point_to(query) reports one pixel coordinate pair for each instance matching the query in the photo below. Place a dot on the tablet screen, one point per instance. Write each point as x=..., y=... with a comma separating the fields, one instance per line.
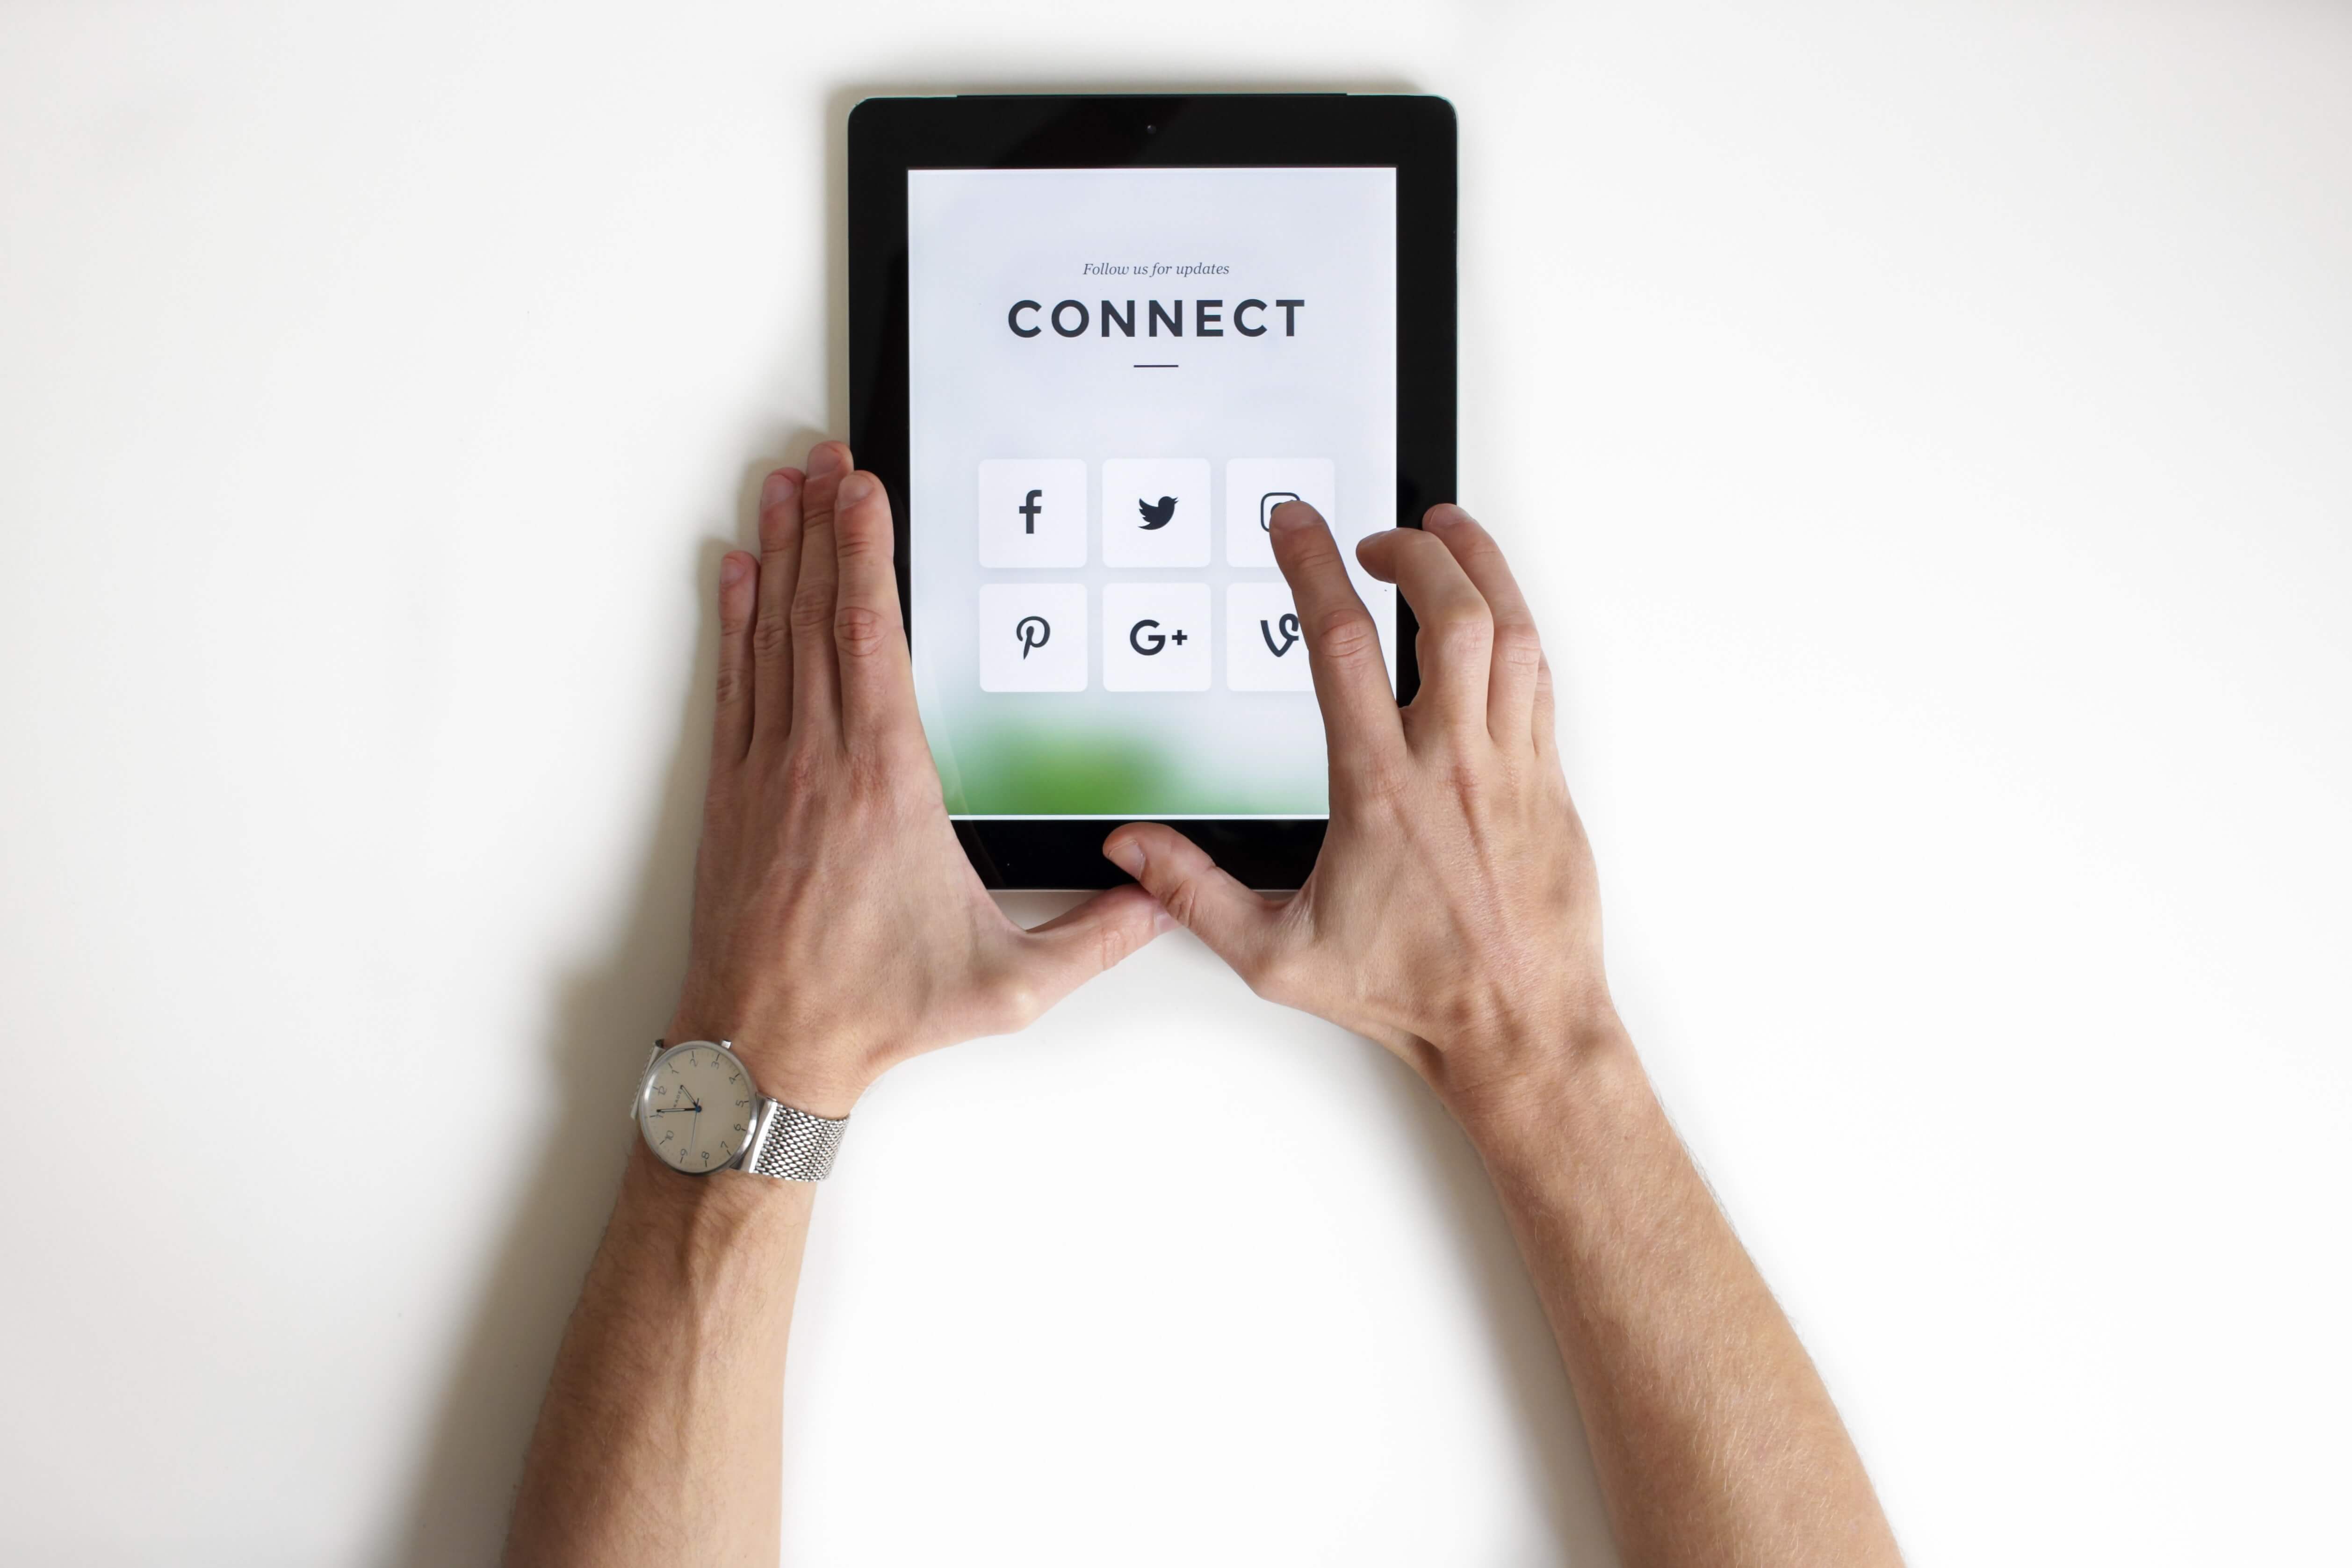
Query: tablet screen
x=1114, y=376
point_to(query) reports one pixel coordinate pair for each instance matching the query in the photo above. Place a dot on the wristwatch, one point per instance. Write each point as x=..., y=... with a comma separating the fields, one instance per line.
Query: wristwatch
x=700, y=1111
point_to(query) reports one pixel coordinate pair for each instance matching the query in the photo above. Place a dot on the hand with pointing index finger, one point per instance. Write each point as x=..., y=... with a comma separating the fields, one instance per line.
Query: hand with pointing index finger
x=1454, y=914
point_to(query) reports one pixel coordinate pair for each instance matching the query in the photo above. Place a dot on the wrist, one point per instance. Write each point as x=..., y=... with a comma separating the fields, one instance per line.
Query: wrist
x=1529, y=1076
x=799, y=1071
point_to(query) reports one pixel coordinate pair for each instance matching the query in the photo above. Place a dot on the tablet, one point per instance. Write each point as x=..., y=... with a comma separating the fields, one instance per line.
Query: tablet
x=1094, y=342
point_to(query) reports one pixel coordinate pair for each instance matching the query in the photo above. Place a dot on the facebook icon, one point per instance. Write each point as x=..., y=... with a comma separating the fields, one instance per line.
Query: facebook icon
x=1031, y=512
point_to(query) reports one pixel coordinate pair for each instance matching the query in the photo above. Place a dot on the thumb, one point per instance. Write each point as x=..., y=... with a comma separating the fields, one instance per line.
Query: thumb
x=1206, y=901
x=1074, y=947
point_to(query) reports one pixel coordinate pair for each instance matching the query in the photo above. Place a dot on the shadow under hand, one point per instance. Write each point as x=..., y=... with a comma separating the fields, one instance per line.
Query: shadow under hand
x=605, y=1022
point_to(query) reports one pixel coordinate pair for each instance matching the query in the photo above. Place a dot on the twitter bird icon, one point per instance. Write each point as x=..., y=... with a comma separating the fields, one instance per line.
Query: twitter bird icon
x=1168, y=526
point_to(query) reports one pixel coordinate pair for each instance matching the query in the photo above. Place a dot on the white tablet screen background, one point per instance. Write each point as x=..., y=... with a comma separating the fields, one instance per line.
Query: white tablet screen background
x=1310, y=387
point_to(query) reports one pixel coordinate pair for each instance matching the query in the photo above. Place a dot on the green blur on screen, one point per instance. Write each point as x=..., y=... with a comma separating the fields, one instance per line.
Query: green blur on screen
x=1060, y=771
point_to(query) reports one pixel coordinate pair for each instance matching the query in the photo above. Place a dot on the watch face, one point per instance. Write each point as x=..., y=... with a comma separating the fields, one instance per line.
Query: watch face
x=696, y=1107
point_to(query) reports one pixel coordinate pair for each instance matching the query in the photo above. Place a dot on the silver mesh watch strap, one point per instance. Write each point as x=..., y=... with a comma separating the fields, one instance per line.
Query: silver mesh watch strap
x=792, y=1145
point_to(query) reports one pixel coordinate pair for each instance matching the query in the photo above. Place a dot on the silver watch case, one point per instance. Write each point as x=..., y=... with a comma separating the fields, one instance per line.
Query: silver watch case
x=784, y=1143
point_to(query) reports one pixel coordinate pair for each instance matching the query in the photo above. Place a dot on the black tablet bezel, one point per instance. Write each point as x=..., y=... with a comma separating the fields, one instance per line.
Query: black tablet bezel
x=1413, y=135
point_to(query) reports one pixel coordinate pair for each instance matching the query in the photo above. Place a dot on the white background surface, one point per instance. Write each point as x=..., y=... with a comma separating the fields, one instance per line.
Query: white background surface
x=1926, y=432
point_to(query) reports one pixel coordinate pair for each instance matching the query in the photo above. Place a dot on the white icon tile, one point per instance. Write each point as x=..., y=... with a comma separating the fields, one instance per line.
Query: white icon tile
x=1156, y=636
x=1264, y=649
x=1155, y=511
x=1032, y=513
x=1255, y=486
x=1033, y=636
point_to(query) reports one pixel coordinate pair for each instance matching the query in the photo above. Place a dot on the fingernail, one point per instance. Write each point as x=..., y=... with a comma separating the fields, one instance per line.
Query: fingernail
x=1127, y=856
x=731, y=570
x=1444, y=516
x=856, y=489
x=1292, y=514
x=829, y=458
x=1161, y=920
x=778, y=488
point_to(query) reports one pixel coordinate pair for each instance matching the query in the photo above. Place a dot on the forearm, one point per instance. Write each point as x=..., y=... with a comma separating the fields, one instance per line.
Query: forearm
x=1713, y=1437
x=660, y=1437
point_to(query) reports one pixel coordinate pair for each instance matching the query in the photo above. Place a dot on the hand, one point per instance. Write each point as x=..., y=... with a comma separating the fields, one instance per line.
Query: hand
x=838, y=926
x=1453, y=915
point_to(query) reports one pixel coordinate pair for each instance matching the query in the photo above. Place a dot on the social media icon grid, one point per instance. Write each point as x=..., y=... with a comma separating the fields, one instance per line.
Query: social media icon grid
x=1155, y=515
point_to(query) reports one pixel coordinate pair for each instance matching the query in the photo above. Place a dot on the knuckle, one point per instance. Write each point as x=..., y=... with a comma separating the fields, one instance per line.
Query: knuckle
x=859, y=630
x=1519, y=648
x=805, y=771
x=863, y=540
x=1459, y=633
x=1468, y=781
x=732, y=685
x=1462, y=615
x=1181, y=900
x=770, y=636
x=811, y=614
x=1345, y=632
x=1477, y=547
